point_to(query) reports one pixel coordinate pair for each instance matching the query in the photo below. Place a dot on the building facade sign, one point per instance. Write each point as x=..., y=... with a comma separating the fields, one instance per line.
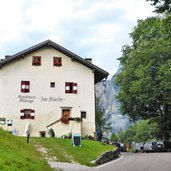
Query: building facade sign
x=32, y=99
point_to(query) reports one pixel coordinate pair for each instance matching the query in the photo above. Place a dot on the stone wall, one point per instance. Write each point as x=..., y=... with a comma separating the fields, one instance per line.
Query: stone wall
x=107, y=157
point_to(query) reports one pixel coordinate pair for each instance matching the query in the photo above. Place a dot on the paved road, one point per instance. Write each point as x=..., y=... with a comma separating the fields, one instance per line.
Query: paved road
x=139, y=162
x=128, y=162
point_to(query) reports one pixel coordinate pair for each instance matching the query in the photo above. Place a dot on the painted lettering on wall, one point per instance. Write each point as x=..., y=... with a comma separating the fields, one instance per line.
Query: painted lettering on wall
x=51, y=99
x=26, y=98
x=31, y=99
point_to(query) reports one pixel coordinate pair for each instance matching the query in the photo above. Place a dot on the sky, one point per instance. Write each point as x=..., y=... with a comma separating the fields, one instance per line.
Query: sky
x=94, y=29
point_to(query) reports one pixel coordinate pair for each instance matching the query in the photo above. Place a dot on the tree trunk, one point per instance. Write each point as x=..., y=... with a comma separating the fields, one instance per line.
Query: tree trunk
x=166, y=135
x=167, y=124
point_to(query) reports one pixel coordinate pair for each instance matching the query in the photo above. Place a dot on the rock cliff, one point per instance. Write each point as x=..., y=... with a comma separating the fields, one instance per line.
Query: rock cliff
x=106, y=92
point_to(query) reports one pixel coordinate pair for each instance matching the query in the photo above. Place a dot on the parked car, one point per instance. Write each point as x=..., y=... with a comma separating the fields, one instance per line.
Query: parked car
x=159, y=147
x=142, y=146
x=167, y=145
x=149, y=146
x=136, y=148
x=122, y=147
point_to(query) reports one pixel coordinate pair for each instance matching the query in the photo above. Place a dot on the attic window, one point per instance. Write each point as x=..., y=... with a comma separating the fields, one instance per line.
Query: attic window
x=57, y=61
x=36, y=60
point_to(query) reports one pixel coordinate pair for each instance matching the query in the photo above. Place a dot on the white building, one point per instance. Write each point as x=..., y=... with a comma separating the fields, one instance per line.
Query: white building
x=49, y=87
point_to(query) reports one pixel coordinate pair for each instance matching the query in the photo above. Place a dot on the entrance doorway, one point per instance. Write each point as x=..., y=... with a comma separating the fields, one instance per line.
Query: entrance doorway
x=42, y=133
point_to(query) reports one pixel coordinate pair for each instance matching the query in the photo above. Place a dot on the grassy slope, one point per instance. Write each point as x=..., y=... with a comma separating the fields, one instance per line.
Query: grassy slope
x=17, y=155
x=65, y=152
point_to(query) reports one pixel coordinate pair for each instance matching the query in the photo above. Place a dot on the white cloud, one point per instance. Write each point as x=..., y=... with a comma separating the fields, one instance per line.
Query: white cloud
x=135, y=9
x=10, y=19
x=96, y=29
x=107, y=31
x=48, y=14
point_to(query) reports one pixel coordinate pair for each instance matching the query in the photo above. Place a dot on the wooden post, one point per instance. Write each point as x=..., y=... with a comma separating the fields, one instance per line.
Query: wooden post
x=28, y=137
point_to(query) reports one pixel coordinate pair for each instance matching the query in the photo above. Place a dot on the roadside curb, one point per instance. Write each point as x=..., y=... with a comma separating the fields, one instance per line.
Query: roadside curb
x=113, y=161
x=64, y=166
x=107, y=157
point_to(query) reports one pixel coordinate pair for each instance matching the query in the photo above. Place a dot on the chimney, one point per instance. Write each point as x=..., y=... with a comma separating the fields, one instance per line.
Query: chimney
x=7, y=56
x=88, y=60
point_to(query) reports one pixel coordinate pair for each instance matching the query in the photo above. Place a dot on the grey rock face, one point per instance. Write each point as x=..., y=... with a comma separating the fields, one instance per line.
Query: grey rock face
x=106, y=93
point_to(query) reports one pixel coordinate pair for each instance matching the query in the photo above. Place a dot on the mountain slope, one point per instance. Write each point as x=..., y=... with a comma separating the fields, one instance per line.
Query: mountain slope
x=106, y=93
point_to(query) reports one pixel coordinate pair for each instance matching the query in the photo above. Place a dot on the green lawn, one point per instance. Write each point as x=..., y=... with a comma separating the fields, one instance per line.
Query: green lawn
x=17, y=155
x=65, y=152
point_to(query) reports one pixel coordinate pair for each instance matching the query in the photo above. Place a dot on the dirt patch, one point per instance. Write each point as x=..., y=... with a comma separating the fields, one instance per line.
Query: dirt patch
x=46, y=155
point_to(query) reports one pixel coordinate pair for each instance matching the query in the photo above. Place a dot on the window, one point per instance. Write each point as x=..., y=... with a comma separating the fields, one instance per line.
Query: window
x=83, y=114
x=52, y=84
x=25, y=86
x=9, y=122
x=36, y=60
x=65, y=116
x=57, y=61
x=71, y=87
x=2, y=121
x=42, y=133
x=27, y=114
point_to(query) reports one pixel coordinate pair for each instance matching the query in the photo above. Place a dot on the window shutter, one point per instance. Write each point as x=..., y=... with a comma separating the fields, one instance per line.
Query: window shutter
x=22, y=114
x=67, y=87
x=32, y=114
x=74, y=88
x=22, y=86
x=59, y=61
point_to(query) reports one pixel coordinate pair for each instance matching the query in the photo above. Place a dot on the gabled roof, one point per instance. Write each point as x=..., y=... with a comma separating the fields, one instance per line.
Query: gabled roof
x=99, y=73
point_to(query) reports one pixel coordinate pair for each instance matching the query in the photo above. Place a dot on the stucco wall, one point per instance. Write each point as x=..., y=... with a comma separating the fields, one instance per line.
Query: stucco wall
x=46, y=101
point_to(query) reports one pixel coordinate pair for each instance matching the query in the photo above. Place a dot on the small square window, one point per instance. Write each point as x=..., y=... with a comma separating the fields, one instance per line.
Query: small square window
x=57, y=61
x=52, y=84
x=2, y=121
x=83, y=114
x=36, y=60
x=9, y=122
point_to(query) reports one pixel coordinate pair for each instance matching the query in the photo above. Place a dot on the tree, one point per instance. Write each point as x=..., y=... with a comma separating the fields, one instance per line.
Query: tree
x=101, y=123
x=142, y=131
x=145, y=79
x=161, y=6
x=114, y=137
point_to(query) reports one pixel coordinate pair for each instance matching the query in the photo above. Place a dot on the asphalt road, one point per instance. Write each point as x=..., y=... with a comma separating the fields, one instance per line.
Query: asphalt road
x=138, y=162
